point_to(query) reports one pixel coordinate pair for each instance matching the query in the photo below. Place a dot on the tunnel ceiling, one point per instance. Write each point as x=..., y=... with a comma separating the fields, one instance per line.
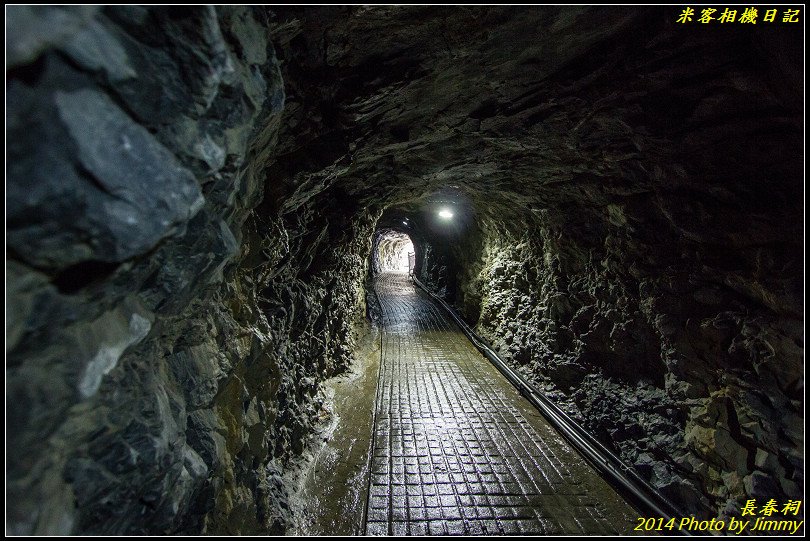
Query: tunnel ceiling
x=528, y=108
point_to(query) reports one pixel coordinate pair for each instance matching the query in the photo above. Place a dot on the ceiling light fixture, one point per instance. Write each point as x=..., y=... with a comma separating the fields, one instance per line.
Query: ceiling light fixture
x=445, y=214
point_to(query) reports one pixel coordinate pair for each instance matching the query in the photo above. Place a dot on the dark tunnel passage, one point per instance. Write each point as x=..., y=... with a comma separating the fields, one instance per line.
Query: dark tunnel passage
x=230, y=232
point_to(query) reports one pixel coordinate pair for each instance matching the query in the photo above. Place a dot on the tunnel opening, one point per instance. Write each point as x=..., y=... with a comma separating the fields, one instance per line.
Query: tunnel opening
x=393, y=251
x=445, y=225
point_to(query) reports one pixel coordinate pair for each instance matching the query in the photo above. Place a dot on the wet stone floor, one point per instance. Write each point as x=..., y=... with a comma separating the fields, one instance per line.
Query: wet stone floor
x=457, y=450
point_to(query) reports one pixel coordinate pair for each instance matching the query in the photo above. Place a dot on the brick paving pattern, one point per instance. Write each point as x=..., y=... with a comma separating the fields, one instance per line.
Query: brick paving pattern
x=457, y=450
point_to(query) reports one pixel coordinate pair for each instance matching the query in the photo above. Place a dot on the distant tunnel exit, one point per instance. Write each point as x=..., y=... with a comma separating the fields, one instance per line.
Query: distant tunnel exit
x=394, y=252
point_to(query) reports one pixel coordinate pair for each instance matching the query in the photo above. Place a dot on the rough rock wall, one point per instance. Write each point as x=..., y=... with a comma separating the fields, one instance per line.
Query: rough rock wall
x=164, y=342
x=685, y=360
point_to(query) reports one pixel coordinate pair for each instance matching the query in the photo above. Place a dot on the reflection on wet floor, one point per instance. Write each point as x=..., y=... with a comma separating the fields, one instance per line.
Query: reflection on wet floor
x=332, y=488
x=457, y=450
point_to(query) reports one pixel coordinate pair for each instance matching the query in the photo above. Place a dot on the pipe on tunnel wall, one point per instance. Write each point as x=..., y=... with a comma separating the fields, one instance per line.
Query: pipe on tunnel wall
x=620, y=475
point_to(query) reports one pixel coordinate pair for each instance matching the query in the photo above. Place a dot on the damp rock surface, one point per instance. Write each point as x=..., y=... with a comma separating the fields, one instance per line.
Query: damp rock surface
x=166, y=340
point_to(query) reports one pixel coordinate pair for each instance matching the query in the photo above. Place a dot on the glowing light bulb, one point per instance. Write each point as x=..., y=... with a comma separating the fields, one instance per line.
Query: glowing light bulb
x=445, y=214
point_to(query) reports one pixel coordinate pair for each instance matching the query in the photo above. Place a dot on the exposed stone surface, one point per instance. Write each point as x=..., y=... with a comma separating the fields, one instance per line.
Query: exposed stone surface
x=164, y=344
x=192, y=197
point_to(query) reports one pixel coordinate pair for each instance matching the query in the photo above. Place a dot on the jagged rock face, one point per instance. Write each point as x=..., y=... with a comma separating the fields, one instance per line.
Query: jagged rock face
x=164, y=340
x=192, y=198
x=675, y=375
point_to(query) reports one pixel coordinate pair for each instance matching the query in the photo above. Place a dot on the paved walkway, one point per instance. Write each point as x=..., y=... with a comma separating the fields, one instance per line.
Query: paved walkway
x=457, y=450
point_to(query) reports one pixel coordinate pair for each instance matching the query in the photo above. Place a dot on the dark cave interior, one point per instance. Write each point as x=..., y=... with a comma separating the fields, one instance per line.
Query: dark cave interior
x=194, y=196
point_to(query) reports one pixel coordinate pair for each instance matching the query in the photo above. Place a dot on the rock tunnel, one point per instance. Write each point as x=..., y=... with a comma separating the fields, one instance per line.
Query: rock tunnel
x=208, y=213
